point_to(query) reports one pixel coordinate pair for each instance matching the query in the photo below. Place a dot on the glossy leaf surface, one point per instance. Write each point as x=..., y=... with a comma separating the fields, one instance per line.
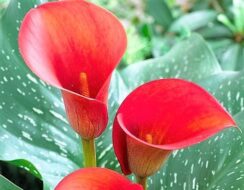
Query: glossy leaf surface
x=7, y=185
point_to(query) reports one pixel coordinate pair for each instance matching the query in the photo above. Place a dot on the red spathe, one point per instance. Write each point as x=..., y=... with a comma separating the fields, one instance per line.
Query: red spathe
x=96, y=179
x=161, y=116
x=74, y=45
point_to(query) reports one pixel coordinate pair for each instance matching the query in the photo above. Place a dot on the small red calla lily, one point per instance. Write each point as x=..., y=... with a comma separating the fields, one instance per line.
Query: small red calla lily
x=75, y=45
x=96, y=179
x=161, y=116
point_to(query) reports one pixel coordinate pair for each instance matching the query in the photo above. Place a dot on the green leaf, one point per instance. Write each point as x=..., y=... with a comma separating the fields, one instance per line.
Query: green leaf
x=240, y=59
x=194, y=20
x=229, y=58
x=215, y=32
x=5, y=184
x=27, y=166
x=190, y=59
x=229, y=53
x=219, y=36
x=162, y=45
x=226, y=21
x=160, y=12
x=220, y=46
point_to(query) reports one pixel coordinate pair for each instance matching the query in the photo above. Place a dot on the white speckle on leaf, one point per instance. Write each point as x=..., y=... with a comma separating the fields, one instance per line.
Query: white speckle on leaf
x=238, y=161
x=194, y=183
x=175, y=177
x=5, y=79
x=26, y=135
x=104, y=164
x=45, y=136
x=29, y=76
x=19, y=5
x=192, y=168
x=10, y=121
x=237, y=96
x=242, y=104
x=99, y=143
x=174, y=153
x=105, y=151
x=184, y=186
x=38, y=111
x=186, y=162
x=206, y=165
x=21, y=92
x=230, y=173
x=229, y=95
x=59, y=116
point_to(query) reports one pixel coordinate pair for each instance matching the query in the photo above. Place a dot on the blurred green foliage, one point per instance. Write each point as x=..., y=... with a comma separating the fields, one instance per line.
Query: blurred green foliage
x=155, y=26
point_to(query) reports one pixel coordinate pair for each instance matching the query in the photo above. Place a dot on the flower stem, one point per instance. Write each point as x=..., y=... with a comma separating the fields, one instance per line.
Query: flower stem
x=89, y=152
x=142, y=181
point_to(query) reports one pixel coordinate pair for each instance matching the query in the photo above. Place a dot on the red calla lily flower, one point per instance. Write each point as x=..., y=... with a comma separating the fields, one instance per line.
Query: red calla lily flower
x=161, y=116
x=96, y=179
x=75, y=45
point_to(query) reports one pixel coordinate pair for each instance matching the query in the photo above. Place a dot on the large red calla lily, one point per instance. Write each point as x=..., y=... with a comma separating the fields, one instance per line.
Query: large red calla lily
x=96, y=179
x=161, y=116
x=75, y=45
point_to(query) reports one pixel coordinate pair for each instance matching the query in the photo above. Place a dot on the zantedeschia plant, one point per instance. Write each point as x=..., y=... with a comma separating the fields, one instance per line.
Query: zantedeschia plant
x=159, y=117
x=96, y=179
x=75, y=45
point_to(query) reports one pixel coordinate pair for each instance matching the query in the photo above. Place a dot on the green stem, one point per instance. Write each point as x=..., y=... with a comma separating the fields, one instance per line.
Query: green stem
x=89, y=152
x=142, y=181
x=216, y=5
